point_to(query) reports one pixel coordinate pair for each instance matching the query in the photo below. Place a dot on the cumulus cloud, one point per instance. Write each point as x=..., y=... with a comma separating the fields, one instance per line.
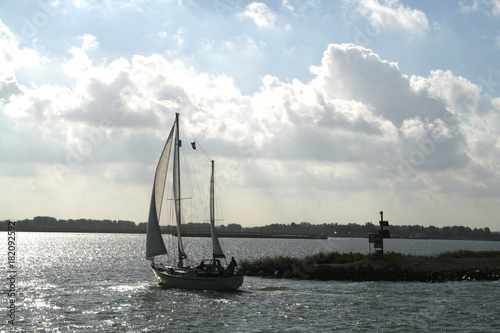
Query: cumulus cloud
x=260, y=14
x=458, y=93
x=392, y=15
x=353, y=72
x=359, y=109
x=358, y=126
x=10, y=51
x=12, y=58
x=361, y=112
x=89, y=42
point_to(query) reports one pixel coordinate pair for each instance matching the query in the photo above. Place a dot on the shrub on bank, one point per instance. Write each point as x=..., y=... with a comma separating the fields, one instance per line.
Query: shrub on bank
x=346, y=258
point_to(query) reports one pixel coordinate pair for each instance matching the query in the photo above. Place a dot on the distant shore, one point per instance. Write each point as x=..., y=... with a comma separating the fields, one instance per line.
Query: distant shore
x=250, y=235
x=184, y=234
x=220, y=234
x=302, y=230
x=454, y=266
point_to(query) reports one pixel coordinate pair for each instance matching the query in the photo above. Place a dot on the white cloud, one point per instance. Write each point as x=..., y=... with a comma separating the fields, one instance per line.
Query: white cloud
x=357, y=129
x=89, y=42
x=10, y=51
x=179, y=37
x=496, y=7
x=79, y=65
x=392, y=15
x=12, y=57
x=261, y=15
x=413, y=128
x=286, y=4
x=457, y=92
x=489, y=7
x=352, y=72
x=469, y=6
x=358, y=109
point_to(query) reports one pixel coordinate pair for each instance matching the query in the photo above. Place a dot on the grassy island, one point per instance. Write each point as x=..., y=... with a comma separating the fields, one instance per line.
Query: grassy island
x=448, y=266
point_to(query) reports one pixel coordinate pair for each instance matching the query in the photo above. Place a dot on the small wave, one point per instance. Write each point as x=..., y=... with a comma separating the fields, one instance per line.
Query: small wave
x=274, y=289
x=129, y=287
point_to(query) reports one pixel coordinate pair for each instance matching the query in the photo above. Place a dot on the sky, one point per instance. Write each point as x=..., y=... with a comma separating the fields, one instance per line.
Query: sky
x=316, y=111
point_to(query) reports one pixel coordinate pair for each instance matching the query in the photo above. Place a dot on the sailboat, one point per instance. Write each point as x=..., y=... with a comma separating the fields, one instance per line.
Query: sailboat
x=209, y=274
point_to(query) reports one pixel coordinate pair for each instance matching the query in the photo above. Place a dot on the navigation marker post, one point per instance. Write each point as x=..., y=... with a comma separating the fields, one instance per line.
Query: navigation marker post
x=377, y=237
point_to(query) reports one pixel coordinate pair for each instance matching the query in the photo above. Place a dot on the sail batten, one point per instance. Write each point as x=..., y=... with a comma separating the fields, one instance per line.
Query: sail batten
x=217, y=249
x=154, y=241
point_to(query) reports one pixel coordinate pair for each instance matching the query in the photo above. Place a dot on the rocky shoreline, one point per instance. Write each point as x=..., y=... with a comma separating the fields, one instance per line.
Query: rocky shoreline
x=396, y=270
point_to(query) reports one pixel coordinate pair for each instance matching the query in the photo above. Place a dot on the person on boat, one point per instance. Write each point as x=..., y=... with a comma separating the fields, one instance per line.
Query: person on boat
x=232, y=265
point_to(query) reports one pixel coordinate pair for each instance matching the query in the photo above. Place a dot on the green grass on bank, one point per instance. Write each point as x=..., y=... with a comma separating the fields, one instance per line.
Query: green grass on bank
x=345, y=258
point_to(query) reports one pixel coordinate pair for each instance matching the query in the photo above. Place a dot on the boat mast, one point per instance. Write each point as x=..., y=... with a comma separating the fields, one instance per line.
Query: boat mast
x=212, y=200
x=177, y=189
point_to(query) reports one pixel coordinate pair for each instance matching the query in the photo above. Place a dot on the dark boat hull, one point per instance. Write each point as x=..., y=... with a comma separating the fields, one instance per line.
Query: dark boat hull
x=192, y=279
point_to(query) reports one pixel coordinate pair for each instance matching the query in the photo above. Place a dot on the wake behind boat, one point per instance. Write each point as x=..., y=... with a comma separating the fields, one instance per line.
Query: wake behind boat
x=210, y=274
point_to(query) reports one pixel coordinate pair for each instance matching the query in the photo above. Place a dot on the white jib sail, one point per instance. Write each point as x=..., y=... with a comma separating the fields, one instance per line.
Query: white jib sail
x=217, y=249
x=154, y=241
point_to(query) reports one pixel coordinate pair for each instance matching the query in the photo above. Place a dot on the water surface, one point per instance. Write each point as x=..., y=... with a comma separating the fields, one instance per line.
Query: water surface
x=101, y=282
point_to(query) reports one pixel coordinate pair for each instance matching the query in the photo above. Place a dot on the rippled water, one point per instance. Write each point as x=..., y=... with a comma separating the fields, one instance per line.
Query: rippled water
x=100, y=282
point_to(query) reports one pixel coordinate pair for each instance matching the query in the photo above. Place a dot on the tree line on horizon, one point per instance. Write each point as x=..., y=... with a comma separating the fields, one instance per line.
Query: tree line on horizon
x=47, y=224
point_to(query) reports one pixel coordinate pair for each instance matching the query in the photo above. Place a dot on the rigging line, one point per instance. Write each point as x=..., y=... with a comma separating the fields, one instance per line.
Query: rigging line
x=218, y=202
x=204, y=197
x=193, y=177
x=198, y=144
x=204, y=182
x=193, y=184
x=204, y=200
x=203, y=150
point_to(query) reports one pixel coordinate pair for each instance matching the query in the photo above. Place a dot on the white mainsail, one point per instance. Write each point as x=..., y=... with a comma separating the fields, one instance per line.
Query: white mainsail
x=217, y=249
x=154, y=241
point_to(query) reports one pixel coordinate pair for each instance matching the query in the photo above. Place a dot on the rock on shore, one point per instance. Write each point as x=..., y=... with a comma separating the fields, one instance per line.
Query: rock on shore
x=407, y=269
